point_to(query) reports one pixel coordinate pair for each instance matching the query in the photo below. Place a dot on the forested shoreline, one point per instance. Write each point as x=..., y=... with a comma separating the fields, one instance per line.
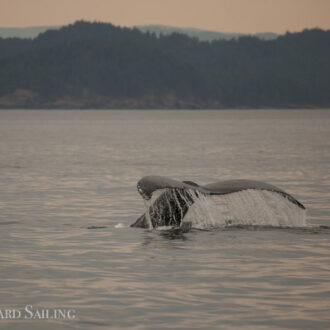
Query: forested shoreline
x=99, y=65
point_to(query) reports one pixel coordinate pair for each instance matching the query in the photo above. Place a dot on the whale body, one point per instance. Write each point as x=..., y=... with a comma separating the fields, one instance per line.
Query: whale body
x=172, y=205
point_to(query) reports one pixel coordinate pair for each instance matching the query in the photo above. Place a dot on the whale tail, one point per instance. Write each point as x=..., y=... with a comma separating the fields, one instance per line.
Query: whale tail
x=172, y=205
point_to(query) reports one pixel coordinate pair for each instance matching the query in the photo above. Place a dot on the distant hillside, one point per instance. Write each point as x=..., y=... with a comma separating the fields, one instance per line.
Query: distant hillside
x=202, y=35
x=98, y=65
x=28, y=32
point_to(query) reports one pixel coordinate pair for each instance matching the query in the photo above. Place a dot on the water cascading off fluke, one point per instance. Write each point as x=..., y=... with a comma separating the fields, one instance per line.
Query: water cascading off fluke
x=249, y=207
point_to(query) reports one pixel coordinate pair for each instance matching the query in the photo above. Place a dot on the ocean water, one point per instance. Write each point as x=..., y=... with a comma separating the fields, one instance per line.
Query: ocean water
x=68, y=195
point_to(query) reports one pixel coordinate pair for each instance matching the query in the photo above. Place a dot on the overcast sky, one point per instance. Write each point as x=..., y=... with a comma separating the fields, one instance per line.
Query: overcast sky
x=248, y=16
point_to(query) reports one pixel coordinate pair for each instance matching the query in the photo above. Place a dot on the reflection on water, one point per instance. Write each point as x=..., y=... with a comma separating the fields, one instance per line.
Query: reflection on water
x=68, y=179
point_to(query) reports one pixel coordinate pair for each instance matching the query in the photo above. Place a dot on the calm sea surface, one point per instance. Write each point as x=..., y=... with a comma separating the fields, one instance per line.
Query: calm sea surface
x=68, y=178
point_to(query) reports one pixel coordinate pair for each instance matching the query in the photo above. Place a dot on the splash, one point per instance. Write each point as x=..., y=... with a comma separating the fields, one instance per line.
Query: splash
x=148, y=206
x=120, y=225
x=248, y=207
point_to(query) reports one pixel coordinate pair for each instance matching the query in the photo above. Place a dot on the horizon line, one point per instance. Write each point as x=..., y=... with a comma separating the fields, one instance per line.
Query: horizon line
x=158, y=25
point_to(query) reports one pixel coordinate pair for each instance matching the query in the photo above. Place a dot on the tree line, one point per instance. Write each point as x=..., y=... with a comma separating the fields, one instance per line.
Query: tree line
x=99, y=63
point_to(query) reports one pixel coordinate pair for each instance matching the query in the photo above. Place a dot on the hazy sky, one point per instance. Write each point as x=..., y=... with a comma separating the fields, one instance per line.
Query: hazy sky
x=247, y=16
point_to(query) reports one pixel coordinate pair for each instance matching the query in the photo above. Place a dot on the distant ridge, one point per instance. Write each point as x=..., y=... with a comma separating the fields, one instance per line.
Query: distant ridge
x=100, y=65
x=25, y=32
x=202, y=35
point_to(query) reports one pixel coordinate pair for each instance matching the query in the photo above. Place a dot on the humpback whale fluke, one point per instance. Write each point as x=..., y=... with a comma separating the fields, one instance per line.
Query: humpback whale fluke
x=172, y=205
